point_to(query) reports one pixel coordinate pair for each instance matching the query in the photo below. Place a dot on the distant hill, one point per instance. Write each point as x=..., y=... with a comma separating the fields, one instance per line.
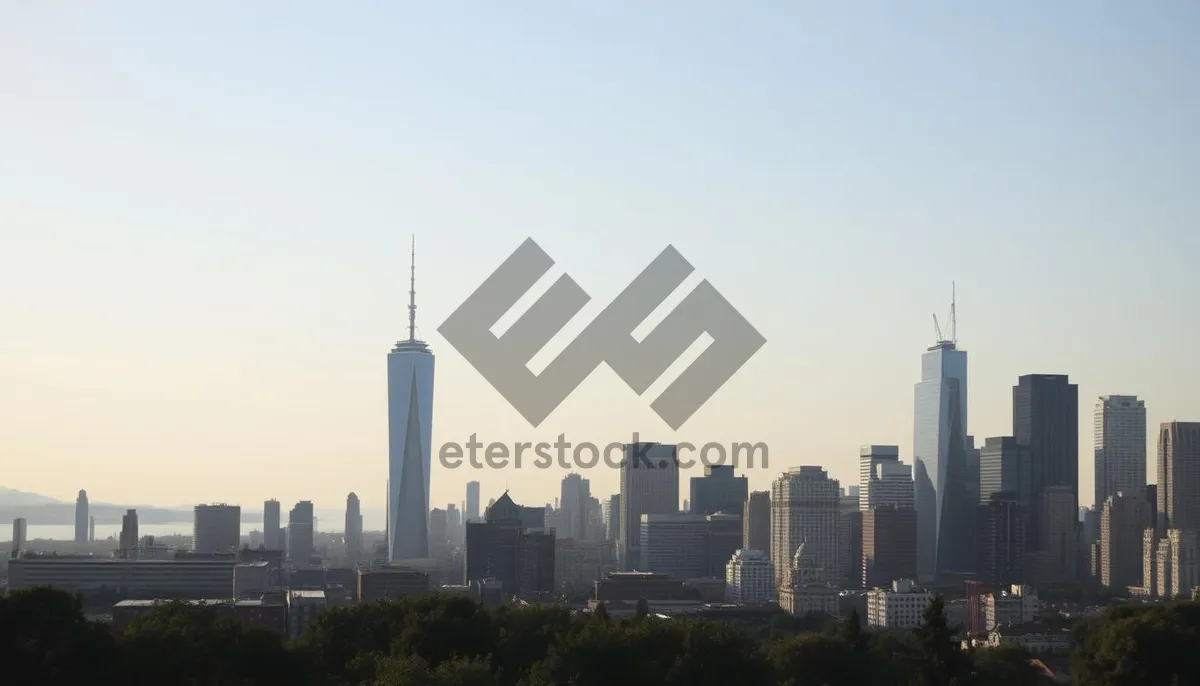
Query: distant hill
x=11, y=496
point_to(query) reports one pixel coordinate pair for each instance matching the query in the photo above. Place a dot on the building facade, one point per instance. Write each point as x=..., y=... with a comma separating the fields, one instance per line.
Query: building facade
x=1179, y=476
x=649, y=486
x=217, y=528
x=1119, y=435
x=805, y=508
x=718, y=491
x=749, y=577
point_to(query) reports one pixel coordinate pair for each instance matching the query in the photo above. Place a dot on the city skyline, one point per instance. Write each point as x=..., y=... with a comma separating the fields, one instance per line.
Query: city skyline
x=185, y=287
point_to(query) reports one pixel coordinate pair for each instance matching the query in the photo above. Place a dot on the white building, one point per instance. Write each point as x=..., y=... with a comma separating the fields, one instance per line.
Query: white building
x=901, y=607
x=807, y=589
x=1119, y=433
x=870, y=457
x=806, y=508
x=749, y=577
x=890, y=484
x=410, y=436
x=1018, y=605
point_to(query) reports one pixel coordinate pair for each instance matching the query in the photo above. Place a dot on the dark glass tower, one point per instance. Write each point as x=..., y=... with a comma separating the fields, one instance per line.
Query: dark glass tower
x=1046, y=422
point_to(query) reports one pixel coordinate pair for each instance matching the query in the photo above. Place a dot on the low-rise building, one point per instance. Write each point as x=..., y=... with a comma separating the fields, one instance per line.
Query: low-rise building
x=1035, y=637
x=1018, y=605
x=900, y=607
x=749, y=577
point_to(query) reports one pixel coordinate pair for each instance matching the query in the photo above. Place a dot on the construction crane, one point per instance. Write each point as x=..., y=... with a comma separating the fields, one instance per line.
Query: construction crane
x=937, y=327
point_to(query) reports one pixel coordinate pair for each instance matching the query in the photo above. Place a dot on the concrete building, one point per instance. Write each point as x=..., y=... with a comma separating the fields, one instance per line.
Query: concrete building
x=252, y=579
x=304, y=607
x=649, y=485
x=217, y=528
x=1179, y=476
x=573, y=520
x=273, y=538
x=1123, y=521
x=268, y=612
x=82, y=518
x=1018, y=605
x=889, y=548
x=390, y=583
x=580, y=563
x=850, y=540
x=676, y=545
x=1002, y=551
x=20, y=531
x=632, y=586
x=183, y=578
x=749, y=577
x=805, y=508
x=300, y=530
x=506, y=549
x=718, y=491
x=1119, y=435
x=807, y=588
x=127, y=543
x=871, y=471
x=471, y=511
x=353, y=531
x=900, y=607
x=1178, y=564
x=756, y=522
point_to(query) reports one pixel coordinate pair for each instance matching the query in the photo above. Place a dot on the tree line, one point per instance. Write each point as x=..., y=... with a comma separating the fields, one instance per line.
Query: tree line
x=452, y=641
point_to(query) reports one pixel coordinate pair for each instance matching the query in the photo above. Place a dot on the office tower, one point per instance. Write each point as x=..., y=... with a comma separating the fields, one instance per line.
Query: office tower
x=724, y=539
x=20, y=531
x=1057, y=559
x=1004, y=467
x=521, y=558
x=718, y=491
x=81, y=518
x=889, y=526
x=454, y=530
x=438, y=533
x=410, y=432
x=649, y=485
x=1123, y=521
x=940, y=473
x=217, y=528
x=675, y=544
x=1001, y=522
x=756, y=522
x=850, y=539
x=1119, y=435
x=594, y=528
x=749, y=577
x=1152, y=498
x=91, y=529
x=354, y=529
x=272, y=532
x=1179, y=475
x=1180, y=569
x=612, y=522
x=472, y=504
x=573, y=516
x=300, y=532
x=128, y=541
x=1153, y=563
x=869, y=457
x=1046, y=420
x=805, y=507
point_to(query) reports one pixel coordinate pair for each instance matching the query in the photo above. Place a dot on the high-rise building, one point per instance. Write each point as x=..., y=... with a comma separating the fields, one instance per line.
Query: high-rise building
x=1046, y=420
x=805, y=507
x=217, y=528
x=889, y=482
x=410, y=436
x=472, y=503
x=649, y=485
x=520, y=557
x=272, y=531
x=81, y=518
x=1152, y=498
x=1123, y=521
x=724, y=539
x=1057, y=560
x=354, y=529
x=756, y=522
x=1179, y=476
x=1119, y=435
x=889, y=525
x=850, y=539
x=20, y=531
x=1004, y=467
x=301, y=526
x=675, y=544
x=940, y=472
x=1001, y=521
x=91, y=529
x=439, y=535
x=612, y=517
x=749, y=577
x=718, y=491
x=573, y=507
x=128, y=542
x=868, y=457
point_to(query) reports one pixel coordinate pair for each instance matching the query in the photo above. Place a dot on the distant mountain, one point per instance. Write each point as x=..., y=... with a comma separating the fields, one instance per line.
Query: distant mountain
x=13, y=497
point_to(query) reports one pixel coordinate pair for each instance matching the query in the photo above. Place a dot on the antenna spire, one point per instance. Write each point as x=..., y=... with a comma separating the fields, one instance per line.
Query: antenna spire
x=412, y=292
x=953, y=316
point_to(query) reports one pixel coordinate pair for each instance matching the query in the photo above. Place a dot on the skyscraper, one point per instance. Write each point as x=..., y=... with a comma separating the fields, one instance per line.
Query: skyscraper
x=649, y=485
x=81, y=517
x=1119, y=434
x=300, y=532
x=718, y=491
x=1046, y=420
x=272, y=533
x=1004, y=467
x=868, y=457
x=756, y=522
x=128, y=541
x=217, y=528
x=410, y=432
x=1179, y=475
x=889, y=525
x=1123, y=521
x=942, y=492
x=805, y=508
x=20, y=529
x=573, y=507
x=472, y=505
x=354, y=529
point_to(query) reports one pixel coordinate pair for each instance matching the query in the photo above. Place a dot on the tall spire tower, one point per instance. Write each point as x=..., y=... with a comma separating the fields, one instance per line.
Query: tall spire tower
x=410, y=436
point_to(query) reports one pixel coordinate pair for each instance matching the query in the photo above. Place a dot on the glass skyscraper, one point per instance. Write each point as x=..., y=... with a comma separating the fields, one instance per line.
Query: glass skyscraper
x=942, y=492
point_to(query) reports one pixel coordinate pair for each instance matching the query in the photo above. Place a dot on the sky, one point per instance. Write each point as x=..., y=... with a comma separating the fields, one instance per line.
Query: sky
x=206, y=211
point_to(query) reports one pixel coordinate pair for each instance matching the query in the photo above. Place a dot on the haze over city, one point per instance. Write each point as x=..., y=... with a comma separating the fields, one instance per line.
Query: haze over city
x=204, y=257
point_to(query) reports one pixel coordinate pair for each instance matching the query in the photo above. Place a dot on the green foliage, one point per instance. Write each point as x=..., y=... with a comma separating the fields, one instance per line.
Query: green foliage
x=451, y=641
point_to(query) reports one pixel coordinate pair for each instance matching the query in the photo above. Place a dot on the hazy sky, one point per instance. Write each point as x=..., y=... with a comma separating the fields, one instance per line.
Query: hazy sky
x=205, y=211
